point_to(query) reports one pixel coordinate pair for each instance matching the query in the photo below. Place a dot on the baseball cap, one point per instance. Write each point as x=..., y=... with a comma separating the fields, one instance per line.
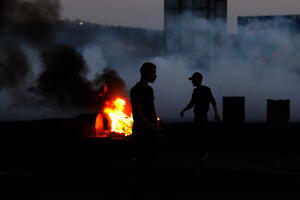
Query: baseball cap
x=196, y=75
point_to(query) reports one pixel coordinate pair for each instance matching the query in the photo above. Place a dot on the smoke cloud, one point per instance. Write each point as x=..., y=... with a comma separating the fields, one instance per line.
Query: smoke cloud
x=32, y=19
x=62, y=82
x=14, y=66
x=41, y=76
x=56, y=77
x=258, y=65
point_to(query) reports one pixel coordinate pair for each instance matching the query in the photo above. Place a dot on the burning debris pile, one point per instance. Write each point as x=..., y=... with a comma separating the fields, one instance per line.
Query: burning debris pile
x=115, y=116
x=118, y=118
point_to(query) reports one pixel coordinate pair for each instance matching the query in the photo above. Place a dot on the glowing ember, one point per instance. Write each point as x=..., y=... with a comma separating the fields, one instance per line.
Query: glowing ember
x=118, y=121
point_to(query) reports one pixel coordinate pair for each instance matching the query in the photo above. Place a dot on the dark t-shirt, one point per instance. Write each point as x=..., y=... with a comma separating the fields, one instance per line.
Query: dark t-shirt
x=201, y=99
x=143, y=94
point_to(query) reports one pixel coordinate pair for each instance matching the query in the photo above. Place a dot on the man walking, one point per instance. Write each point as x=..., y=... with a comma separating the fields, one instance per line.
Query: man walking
x=200, y=101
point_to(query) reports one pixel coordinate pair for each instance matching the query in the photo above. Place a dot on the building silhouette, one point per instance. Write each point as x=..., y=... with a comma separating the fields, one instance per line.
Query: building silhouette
x=182, y=17
x=257, y=24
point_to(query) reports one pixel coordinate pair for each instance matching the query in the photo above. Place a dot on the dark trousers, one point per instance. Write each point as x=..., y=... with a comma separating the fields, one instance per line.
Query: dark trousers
x=200, y=118
x=145, y=153
x=201, y=134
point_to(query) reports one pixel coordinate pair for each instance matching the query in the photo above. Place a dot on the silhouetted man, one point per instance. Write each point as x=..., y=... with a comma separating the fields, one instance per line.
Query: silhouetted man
x=145, y=125
x=200, y=101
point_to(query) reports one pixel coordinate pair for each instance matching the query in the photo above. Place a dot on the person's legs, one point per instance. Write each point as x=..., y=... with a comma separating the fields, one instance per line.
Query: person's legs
x=145, y=153
x=140, y=165
x=200, y=124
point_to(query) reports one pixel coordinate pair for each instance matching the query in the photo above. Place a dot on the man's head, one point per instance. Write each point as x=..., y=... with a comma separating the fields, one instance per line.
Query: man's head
x=148, y=72
x=196, y=78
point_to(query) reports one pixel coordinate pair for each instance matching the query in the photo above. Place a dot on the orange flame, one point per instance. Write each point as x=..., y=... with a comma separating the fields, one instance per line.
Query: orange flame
x=119, y=122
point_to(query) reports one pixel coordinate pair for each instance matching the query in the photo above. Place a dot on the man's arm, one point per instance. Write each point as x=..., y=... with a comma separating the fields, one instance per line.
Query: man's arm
x=138, y=111
x=189, y=106
x=213, y=102
x=217, y=117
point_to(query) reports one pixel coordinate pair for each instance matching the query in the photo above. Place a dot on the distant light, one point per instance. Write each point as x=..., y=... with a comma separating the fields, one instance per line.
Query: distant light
x=80, y=23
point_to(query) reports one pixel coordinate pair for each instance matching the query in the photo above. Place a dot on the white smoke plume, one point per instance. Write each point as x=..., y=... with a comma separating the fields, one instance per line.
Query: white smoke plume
x=257, y=65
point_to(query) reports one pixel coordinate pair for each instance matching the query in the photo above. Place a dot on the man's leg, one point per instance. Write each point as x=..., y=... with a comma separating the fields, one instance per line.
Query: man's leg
x=200, y=122
x=145, y=157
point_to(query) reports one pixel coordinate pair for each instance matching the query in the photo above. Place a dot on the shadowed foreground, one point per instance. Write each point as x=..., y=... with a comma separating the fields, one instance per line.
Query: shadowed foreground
x=50, y=160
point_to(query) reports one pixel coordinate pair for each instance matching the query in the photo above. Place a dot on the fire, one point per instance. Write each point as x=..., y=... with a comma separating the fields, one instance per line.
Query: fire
x=119, y=121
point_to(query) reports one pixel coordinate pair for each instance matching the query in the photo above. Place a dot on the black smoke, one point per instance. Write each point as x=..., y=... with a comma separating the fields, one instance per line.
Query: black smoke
x=32, y=20
x=115, y=85
x=61, y=82
x=27, y=22
x=32, y=11
x=14, y=66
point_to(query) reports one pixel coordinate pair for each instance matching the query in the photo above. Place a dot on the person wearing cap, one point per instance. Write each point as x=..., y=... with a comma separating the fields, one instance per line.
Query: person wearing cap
x=202, y=97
